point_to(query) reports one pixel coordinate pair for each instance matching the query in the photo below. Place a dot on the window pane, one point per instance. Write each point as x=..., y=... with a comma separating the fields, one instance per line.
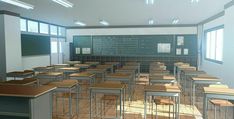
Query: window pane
x=44, y=28
x=32, y=26
x=61, y=31
x=219, y=45
x=212, y=44
x=54, y=47
x=208, y=45
x=53, y=30
x=23, y=26
x=60, y=47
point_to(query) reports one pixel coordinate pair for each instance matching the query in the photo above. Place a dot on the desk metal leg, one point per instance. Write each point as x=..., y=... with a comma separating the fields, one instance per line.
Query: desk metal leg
x=123, y=101
x=145, y=106
x=204, y=107
x=90, y=103
x=70, y=104
x=120, y=105
x=194, y=95
x=178, y=107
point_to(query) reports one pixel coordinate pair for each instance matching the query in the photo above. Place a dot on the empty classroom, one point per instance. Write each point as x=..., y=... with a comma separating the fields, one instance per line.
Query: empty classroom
x=116, y=59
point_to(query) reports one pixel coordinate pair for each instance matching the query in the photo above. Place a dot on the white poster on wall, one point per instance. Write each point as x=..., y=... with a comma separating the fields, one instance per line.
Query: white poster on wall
x=86, y=50
x=180, y=40
x=164, y=47
x=77, y=50
x=186, y=51
x=178, y=51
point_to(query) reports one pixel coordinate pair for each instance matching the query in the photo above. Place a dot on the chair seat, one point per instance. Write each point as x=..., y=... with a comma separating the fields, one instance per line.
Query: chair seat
x=164, y=101
x=223, y=103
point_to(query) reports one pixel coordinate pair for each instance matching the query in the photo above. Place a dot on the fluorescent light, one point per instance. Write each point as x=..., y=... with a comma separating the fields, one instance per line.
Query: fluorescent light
x=151, y=21
x=64, y=3
x=149, y=2
x=19, y=3
x=195, y=1
x=175, y=21
x=103, y=22
x=80, y=23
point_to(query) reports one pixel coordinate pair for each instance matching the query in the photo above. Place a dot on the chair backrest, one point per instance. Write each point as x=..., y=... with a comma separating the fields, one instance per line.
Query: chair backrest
x=218, y=86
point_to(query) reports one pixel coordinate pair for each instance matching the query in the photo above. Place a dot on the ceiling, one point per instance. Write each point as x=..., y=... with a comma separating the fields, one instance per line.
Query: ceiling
x=120, y=12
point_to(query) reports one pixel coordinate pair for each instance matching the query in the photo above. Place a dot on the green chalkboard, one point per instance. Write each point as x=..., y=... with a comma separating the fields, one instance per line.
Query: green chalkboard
x=134, y=45
x=35, y=45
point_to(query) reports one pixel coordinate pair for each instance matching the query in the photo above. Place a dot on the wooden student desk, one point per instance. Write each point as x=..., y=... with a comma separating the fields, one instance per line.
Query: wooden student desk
x=60, y=65
x=24, y=82
x=106, y=67
x=82, y=66
x=26, y=102
x=132, y=67
x=163, y=90
x=176, y=65
x=92, y=64
x=72, y=63
x=20, y=74
x=217, y=93
x=132, y=64
x=70, y=87
x=186, y=74
x=68, y=70
x=115, y=64
x=83, y=76
x=98, y=72
x=43, y=69
x=160, y=72
x=181, y=68
x=165, y=79
x=51, y=76
x=126, y=78
x=200, y=79
x=109, y=88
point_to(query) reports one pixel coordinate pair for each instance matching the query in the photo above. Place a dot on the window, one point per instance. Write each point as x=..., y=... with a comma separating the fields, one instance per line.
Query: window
x=61, y=31
x=32, y=26
x=53, y=30
x=54, y=47
x=214, y=44
x=44, y=28
x=23, y=26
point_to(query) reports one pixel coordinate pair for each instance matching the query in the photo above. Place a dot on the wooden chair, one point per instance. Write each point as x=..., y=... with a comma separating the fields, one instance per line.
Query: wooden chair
x=165, y=101
x=220, y=103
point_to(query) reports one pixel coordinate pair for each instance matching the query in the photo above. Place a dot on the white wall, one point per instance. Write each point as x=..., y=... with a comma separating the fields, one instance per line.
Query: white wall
x=30, y=62
x=131, y=31
x=225, y=70
x=12, y=43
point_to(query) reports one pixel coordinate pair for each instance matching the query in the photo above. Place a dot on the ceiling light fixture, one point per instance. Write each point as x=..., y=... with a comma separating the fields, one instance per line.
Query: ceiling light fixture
x=151, y=21
x=175, y=21
x=195, y=1
x=149, y=2
x=103, y=22
x=80, y=23
x=19, y=3
x=64, y=3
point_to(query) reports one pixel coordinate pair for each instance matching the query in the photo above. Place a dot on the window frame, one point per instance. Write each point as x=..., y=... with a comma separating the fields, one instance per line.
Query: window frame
x=48, y=27
x=38, y=27
x=205, y=45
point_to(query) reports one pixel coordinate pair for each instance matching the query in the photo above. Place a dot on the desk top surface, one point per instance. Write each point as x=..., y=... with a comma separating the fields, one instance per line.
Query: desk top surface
x=119, y=75
x=82, y=74
x=20, y=73
x=26, y=81
x=50, y=74
x=205, y=77
x=194, y=72
x=113, y=63
x=163, y=88
x=162, y=77
x=60, y=65
x=187, y=68
x=96, y=70
x=24, y=91
x=69, y=68
x=82, y=65
x=44, y=68
x=64, y=83
x=222, y=91
x=108, y=85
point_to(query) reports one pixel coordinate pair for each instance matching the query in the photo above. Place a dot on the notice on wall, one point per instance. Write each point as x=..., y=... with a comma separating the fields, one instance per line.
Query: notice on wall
x=77, y=50
x=180, y=40
x=186, y=51
x=86, y=50
x=178, y=51
x=164, y=48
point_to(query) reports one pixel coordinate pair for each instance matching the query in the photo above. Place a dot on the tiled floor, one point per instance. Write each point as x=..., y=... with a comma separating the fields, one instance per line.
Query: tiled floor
x=133, y=109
